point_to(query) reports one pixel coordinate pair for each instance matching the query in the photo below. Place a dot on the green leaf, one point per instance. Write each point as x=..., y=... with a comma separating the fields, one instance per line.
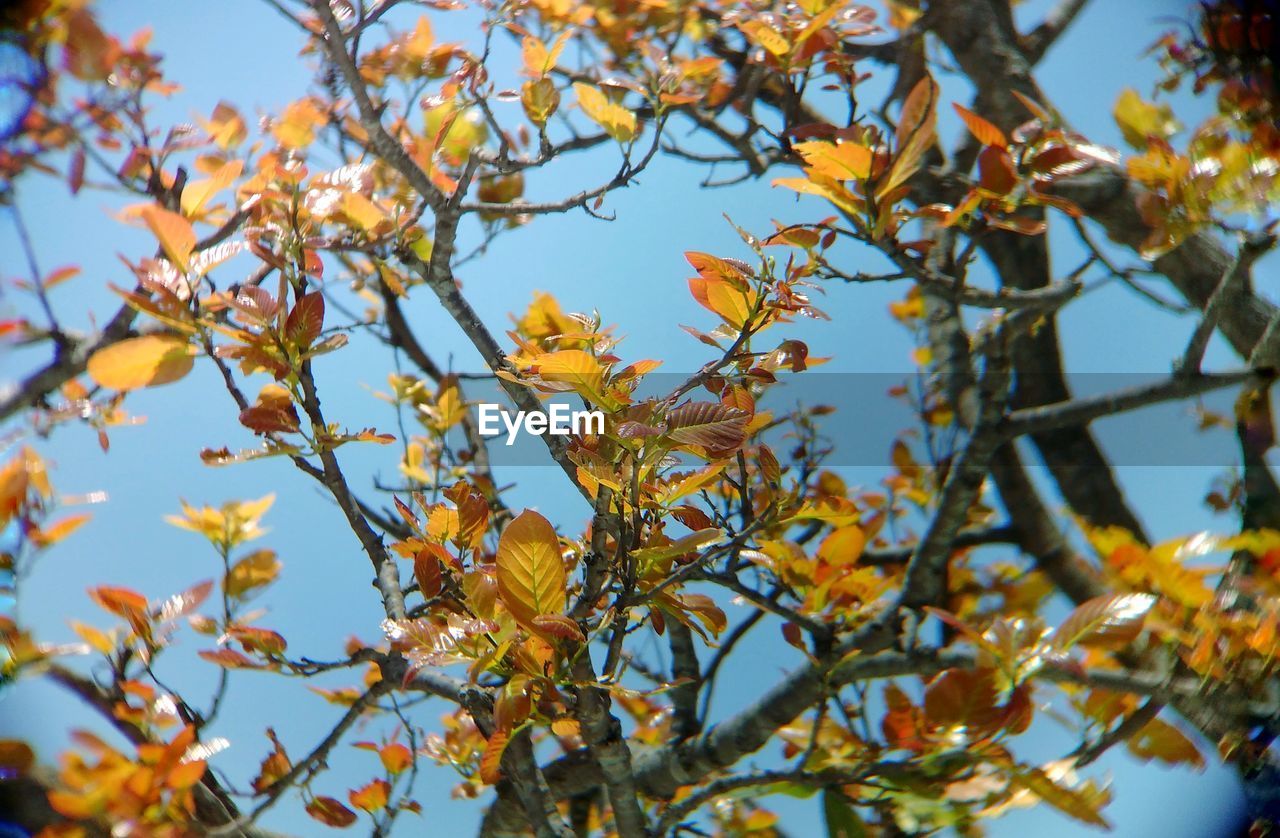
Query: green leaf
x=841, y=819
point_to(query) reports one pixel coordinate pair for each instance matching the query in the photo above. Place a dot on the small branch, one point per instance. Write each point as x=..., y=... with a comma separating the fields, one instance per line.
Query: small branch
x=1006, y=534
x=1135, y=722
x=1038, y=41
x=1031, y=420
x=311, y=762
x=1236, y=274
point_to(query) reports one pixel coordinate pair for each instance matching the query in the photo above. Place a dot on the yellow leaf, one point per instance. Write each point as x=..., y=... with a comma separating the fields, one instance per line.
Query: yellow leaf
x=733, y=304
x=99, y=640
x=580, y=370
x=617, y=121
x=1140, y=121
x=255, y=570
x=48, y=536
x=146, y=361
x=843, y=546
x=540, y=99
x=361, y=210
x=846, y=161
x=531, y=578
x=767, y=37
x=834, y=192
x=197, y=193
x=174, y=233
x=296, y=127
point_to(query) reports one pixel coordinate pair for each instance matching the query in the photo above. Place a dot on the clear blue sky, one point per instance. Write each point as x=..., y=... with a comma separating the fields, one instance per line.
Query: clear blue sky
x=631, y=270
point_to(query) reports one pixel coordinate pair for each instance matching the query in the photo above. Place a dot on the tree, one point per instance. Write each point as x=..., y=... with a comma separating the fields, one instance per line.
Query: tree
x=925, y=618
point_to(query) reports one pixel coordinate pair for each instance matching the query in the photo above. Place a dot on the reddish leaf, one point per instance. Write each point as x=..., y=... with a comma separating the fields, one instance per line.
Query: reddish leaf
x=120, y=601
x=996, y=171
x=305, y=321
x=273, y=412
x=964, y=698
x=228, y=659
x=259, y=640
x=330, y=812
x=426, y=570
x=901, y=723
x=558, y=625
x=708, y=424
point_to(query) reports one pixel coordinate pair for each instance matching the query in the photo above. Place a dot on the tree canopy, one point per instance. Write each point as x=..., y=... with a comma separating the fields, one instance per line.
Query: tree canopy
x=993, y=579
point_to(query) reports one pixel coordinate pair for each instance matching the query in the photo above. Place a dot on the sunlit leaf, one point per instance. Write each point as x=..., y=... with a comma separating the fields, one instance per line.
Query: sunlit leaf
x=530, y=571
x=147, y=361
x=1113, y=619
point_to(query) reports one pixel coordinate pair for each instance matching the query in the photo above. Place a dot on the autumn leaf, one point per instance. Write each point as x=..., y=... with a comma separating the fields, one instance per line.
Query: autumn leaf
x=1111, y=620
x=491, y=761
x=147, y=361
x=198, y=192
x=576, y=368
x=177, y=238
x=845, y=161
x=540, y=99
x=1074, y=802
x=395, y=757
x=255, y=570
x=1141, y=121
x=16, y=756
x=305, y=320
x=982, y=130
x=915, y=135
x=273, y=412
x=364, y=212
x=964, y=698
x=617, y=121
x=708, y=424
x=1162, y=741
x=330, y=812
x=767, y=37
x=531, y=577
x=735, y=302
x=372, y=797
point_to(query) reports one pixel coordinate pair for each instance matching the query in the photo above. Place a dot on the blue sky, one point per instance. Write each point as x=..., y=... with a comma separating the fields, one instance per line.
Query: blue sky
x=633, y=271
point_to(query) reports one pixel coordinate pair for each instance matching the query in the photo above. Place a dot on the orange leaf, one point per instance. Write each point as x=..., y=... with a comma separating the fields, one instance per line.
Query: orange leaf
x=982, y=130
x=177, y=238
x=1112, y=619
x=371, y=798
x=846, y=161
x=491, y=762
x=530, y=571
x=147, y=361
x=396, y=757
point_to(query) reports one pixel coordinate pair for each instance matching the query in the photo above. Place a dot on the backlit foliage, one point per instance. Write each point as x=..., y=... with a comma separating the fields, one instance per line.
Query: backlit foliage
x=924, y=611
